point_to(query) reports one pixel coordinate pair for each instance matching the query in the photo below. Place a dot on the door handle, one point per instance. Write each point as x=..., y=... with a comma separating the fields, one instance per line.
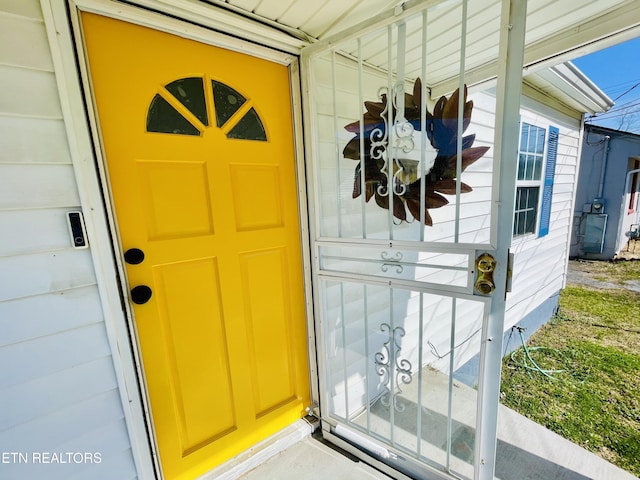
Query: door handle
x=141, y=294
x=134, y=256
x=485, y=266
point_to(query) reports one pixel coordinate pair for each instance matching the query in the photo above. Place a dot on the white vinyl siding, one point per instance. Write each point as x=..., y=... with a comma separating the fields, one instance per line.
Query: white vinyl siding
x=60, y=393
x=539, y=264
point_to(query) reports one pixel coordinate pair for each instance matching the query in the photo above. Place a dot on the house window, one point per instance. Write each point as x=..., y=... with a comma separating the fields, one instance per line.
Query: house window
x=526, y=212
x=534, y=190
x=634, y=187
x=530, y=161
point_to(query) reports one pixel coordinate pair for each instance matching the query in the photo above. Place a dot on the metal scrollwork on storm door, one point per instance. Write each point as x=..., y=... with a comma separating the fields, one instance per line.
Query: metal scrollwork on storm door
x=393, y=370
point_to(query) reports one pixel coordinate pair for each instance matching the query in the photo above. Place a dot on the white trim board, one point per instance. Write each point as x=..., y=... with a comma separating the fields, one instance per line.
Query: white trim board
x=200, y=22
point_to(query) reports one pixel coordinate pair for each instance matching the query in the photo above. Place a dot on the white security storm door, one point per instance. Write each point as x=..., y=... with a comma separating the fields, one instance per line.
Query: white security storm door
x=412, y=217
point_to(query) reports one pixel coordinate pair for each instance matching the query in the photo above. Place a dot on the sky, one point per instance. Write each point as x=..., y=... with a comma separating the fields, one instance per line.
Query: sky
x=616, y=70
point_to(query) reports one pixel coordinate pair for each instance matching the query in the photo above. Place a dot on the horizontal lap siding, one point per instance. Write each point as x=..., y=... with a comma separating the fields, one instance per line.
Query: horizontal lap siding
x=35, y=186
x=60, y=394
x=35, y=54
x=539, y=265
x=71, y=309
x=17, y=235
x=33, y=94
x=17, y=143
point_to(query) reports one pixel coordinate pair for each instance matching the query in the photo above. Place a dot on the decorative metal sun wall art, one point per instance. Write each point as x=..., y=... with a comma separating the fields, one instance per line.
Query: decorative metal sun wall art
x=386, y=152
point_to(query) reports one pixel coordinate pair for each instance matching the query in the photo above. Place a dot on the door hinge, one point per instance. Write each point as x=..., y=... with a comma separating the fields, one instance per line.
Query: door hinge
x=313, y=416
x=313, y=410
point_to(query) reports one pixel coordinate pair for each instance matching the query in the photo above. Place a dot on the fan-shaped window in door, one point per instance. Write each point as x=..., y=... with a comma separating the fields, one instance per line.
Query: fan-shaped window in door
x=181, y=108
x=227, y=102
x=190, y=92
x=164, y=118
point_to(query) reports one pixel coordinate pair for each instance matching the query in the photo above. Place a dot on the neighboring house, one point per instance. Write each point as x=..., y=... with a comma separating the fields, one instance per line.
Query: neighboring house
x=606, y=215
x=184, y=274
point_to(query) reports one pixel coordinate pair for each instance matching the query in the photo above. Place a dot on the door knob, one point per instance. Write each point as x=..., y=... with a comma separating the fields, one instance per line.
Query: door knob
x=485, y=264
x=134, y=256
x=141, y=294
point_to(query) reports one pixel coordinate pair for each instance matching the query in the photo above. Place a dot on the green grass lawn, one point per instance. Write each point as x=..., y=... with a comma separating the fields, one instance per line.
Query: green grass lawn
x=591, y=354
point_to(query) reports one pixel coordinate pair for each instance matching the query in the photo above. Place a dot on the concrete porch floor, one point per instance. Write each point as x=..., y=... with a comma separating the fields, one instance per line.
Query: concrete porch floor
x=313, y=459
x=526, y=451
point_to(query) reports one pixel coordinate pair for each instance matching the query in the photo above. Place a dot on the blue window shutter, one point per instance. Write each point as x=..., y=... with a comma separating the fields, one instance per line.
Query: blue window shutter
x=549, y=173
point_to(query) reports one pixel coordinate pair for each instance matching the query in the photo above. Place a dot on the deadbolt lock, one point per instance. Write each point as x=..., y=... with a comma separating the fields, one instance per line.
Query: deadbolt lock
x=485, y=266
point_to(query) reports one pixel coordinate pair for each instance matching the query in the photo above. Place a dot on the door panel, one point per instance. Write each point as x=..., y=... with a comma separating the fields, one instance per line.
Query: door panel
x=200, y=163
x=176, y=197
x=198, y=366
x=264, y=275
x=247, y=178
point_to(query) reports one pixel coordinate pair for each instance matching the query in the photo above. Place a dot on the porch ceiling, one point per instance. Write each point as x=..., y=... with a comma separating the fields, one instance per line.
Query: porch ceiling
x=557, y=31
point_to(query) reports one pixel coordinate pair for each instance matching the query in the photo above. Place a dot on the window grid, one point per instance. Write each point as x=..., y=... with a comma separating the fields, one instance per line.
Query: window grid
x=531, y=152
x=530, y=161
x=526, y=211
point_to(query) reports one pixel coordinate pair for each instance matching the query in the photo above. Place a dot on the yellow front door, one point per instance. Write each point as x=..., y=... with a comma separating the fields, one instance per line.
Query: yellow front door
x=200, y=160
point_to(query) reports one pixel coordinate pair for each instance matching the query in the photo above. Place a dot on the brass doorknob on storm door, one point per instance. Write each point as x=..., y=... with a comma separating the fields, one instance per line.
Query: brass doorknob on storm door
x=141, y=294
x=485, y=265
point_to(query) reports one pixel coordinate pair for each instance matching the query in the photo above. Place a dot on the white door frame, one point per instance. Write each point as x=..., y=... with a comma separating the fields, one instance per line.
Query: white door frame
x=508, y=93
x=84, y=138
